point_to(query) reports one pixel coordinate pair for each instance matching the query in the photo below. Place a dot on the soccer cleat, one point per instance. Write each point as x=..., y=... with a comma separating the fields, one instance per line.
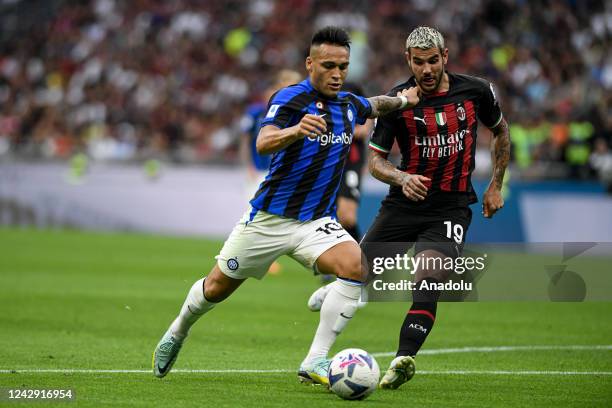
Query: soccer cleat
x=165, y=354
x=316, y=299
x=315, y=372
x=400, y=370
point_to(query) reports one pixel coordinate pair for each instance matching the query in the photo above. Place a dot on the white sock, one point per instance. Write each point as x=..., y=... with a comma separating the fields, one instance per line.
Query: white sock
x=194, y=307
x=341, y=300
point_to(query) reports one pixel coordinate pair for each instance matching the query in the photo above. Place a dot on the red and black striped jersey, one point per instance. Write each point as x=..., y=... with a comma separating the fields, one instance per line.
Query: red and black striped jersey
x=437, y=137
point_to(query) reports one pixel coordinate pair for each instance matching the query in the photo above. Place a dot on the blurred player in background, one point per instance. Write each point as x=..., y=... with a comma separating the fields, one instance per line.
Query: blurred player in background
x=308, y=127
x=350, y=186
x=431, y=190
x=256, y=164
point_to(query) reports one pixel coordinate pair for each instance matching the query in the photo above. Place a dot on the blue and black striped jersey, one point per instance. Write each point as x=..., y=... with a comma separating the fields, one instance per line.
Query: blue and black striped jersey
x=304, y=177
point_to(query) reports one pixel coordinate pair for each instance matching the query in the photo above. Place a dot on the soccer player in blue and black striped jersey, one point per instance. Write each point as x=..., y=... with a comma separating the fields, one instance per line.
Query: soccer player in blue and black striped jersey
x=308, y=128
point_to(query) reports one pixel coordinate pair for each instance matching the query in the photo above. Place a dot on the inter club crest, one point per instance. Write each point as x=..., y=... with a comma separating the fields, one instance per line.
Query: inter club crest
x=232, y=264
x=441, y=118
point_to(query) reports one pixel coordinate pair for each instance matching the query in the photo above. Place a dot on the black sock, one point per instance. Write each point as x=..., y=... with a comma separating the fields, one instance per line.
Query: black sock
x=418, y=322
x=354, y=232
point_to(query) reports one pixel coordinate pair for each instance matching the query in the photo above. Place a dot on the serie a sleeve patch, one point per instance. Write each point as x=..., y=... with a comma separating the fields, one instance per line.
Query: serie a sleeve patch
x=272, y=111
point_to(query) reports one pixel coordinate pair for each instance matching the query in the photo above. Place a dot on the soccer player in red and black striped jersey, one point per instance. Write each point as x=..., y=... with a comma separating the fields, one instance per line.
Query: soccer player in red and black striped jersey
x=430, y=193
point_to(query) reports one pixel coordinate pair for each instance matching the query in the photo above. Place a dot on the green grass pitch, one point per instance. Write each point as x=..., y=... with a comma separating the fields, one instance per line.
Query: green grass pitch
x=76, y=300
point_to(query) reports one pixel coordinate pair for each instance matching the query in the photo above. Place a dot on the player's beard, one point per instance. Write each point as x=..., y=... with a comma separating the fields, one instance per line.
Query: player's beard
x=437, y=82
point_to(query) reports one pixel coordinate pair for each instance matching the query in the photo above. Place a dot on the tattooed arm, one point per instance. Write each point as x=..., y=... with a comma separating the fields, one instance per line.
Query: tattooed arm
x=382, y=104
x=412, y=185
x=500, y=155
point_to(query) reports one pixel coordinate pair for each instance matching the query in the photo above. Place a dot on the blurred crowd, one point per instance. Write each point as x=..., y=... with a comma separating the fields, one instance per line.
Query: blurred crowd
x=170, y=79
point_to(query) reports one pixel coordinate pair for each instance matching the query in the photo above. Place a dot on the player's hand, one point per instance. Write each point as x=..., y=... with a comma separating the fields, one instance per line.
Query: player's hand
x=492, y=201
x=310, y=125
x=414, y=188
x=413, y=95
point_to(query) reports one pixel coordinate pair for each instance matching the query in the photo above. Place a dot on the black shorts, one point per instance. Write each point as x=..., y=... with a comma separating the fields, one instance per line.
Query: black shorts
x=350, y=186
x=443, y=229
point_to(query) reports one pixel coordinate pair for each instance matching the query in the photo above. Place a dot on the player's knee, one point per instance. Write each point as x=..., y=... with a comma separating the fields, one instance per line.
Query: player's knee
x=433, y=271
x=350, y=268
x=213, y=291
x=218, y=287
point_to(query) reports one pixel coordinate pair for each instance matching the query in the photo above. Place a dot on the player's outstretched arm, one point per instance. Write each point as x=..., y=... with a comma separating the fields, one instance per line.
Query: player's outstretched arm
x=272, y=139
x=383, y=104
x=413, y=185
x=492, y=199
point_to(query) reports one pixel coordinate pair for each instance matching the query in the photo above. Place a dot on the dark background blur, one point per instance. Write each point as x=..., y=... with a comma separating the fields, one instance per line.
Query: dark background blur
x=135, y=80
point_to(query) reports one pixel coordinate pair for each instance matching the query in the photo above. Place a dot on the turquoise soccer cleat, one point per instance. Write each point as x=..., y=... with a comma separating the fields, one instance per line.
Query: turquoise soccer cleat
x=165, y=354
x=400, y=370
x=315, y=372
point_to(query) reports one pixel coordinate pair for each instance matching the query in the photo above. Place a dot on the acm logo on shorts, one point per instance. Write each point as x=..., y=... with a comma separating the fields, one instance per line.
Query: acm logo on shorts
x=232, y=264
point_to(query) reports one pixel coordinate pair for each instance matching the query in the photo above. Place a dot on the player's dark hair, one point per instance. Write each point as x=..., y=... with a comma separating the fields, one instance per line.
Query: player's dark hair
x=331, y=35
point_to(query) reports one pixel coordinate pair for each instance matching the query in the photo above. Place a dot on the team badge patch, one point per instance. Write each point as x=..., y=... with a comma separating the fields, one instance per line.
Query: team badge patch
x=461, y=113
x=319, y=105
x=349, y=113
x=441, y=118
x=232, y=264
x=272, y=111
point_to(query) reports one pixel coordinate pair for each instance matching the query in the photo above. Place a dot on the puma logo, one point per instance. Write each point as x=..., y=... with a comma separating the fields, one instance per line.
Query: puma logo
x=421, y=119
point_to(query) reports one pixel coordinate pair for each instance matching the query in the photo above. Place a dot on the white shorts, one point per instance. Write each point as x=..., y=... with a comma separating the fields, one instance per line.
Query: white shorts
x=253, y=246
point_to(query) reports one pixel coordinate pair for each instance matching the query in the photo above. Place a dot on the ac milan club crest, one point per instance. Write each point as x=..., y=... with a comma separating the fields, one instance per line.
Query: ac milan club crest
x=461, y=113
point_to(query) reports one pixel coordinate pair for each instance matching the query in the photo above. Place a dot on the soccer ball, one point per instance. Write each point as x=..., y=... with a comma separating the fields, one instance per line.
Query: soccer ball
x=353, y=374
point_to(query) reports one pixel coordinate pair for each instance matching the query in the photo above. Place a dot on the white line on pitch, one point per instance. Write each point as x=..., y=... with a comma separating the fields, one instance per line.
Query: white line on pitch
x=423, y=352
x=506, y=372
x=499, y=349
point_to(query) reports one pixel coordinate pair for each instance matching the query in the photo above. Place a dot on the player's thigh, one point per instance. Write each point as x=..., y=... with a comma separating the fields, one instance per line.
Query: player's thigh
x=343, y=260
x=443, y=237
x=448, y=229
x=254, y=245
x=393, y=225
x=327, y=237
